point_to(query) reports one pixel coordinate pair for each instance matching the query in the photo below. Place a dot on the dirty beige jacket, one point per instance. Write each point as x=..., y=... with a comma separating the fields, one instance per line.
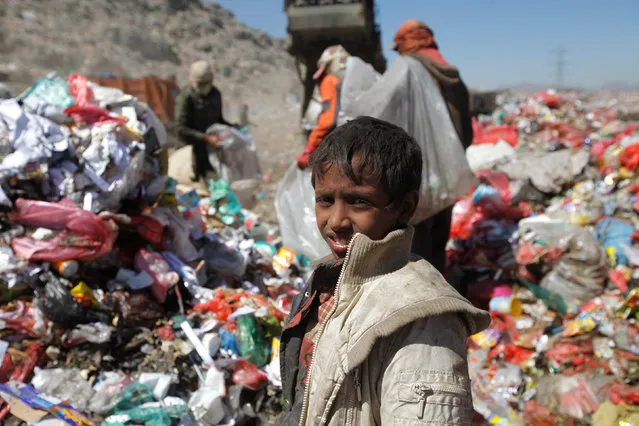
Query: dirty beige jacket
x=393, y=351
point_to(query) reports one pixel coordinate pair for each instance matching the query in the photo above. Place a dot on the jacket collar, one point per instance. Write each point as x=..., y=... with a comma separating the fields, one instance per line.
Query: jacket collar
x=368, y=259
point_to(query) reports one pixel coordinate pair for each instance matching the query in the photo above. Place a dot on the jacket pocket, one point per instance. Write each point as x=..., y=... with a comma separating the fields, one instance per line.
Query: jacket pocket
x=433, y=403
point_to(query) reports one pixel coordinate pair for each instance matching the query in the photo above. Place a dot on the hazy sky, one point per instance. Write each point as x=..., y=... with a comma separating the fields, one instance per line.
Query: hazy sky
x=504, y=42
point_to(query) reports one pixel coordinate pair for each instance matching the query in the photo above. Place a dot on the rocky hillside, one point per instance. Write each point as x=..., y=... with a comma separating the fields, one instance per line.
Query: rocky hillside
x=162, y=37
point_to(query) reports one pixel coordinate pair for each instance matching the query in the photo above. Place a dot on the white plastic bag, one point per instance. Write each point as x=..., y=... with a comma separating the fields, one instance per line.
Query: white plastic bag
x=295, y=207
x=407, y=96
x=237, y=160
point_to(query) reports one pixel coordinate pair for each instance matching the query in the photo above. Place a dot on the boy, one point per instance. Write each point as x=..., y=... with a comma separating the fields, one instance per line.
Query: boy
x=378, y=336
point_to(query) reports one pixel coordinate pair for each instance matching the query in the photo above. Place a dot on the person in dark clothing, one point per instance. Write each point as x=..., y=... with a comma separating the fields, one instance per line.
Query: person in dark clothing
x=198, y=107
x=417, y=39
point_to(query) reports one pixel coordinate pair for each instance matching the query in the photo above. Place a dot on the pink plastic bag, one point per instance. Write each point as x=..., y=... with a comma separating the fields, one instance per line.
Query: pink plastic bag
x=80, y=90
x=163, y=278
x=83, y=236
x=91, y=114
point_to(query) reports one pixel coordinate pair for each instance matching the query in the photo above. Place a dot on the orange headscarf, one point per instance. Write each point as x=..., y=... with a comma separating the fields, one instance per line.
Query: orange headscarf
x=416, y=37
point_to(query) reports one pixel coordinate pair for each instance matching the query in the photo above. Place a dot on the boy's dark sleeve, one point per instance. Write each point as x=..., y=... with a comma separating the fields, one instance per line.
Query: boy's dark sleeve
x=182, y=114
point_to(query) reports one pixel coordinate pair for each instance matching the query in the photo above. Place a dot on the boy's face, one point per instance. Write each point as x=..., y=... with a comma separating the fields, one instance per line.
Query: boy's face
x=344, y=208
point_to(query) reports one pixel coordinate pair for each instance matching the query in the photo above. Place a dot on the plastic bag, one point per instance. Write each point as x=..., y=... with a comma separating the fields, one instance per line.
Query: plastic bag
x=91, y=114
x=163, y=277
x=51, y=90
x=615, y=234
x=78, y=86
x=549, y=98
x=580, y=270
x=572, y=396
x=223, y=260
x=247, y=374
x=68, y=385
x=484, y=156
x=407, y=96
x=252, y=342
x=84, y=235
x=295, y=207
x=237, y=159
x=630, y=157
x=493, y=134
x=58, y=305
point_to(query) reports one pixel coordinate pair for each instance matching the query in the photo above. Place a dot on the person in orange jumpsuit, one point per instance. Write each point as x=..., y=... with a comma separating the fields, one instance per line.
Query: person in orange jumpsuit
x=330, y=73
x=415, y=38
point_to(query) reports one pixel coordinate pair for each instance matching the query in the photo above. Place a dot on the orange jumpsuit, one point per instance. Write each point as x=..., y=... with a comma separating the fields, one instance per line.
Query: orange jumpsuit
x=329, y=90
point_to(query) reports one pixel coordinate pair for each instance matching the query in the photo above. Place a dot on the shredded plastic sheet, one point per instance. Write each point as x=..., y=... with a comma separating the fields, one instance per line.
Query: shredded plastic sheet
x=295, y=206
x=407, y=96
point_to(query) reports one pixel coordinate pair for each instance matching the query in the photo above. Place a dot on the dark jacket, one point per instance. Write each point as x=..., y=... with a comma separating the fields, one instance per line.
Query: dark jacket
x=194, y=114
x=456, y=95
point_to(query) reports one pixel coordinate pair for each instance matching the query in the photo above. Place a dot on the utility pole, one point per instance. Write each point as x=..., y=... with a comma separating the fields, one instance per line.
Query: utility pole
x=560, y=64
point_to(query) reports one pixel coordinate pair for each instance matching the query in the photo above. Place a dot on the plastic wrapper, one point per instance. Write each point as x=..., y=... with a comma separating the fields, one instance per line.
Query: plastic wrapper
x=617, y=234
x=407, y=96
x=155, y=265
x=58, y=305
x=78, y=86
x=570, y=396
x=252, y=341
x=295, y=206
x=37, y=400
x=247, y=374
x=68, y=385
x=84, y=235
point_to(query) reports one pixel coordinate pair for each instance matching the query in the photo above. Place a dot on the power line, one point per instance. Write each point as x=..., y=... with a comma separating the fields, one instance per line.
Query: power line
x=560, y=64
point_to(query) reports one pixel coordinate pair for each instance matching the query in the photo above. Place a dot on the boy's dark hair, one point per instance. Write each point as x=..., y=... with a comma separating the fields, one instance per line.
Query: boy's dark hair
x=386, y=151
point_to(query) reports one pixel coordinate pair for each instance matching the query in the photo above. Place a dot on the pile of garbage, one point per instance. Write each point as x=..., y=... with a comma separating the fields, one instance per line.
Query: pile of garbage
x=124, y=298
x=548, y=243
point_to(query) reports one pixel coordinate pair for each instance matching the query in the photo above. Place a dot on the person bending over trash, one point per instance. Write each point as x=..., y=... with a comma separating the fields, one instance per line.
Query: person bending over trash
x=417, y=39
x=198, y=107
x=377, y=337
x=330, y=74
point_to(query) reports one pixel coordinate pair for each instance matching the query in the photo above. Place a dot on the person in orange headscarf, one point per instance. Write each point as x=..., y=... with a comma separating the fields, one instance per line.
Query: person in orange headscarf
x=415, y=38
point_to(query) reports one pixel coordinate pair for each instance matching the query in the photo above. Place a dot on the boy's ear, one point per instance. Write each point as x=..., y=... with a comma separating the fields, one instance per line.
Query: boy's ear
x=408, y=207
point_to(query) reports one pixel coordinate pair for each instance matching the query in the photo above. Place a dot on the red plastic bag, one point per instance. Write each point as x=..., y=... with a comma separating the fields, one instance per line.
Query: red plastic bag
x=247, y=374
x=465, y=216
x=551, y=100
x=80, y=90
x=569, y=135
x=493, y=134
x=630, y=157
x=91, y=114
x=156, y=266
x=148, y=228
x=83, y=236
x=499, y=181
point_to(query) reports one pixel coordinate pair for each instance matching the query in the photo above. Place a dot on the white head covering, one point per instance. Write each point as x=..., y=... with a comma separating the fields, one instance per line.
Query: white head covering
x=332, y=61
x=200, y=72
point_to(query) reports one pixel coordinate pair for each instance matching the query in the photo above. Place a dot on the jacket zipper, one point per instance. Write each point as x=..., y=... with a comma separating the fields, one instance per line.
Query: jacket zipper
x=358, y=391
x=307, y=389
x=423, y=390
